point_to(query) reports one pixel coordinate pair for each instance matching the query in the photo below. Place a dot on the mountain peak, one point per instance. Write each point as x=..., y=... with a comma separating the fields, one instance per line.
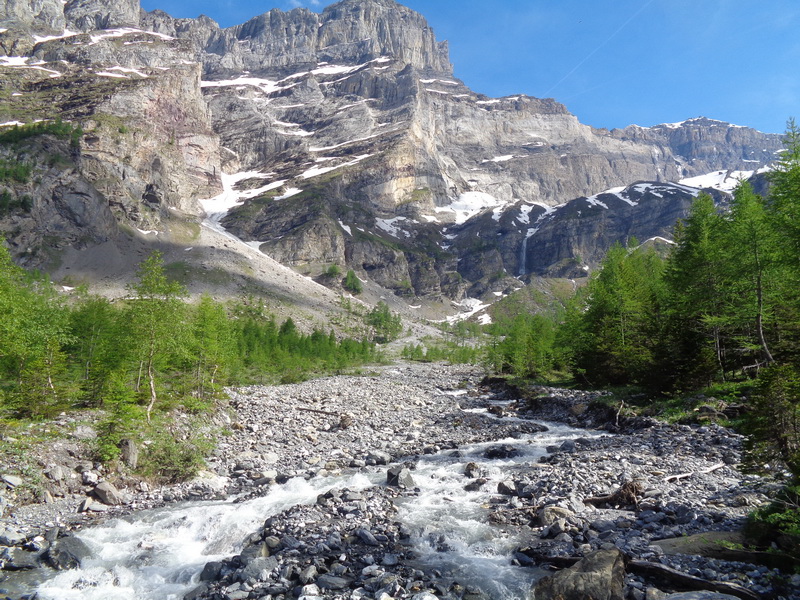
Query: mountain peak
x=384, y=28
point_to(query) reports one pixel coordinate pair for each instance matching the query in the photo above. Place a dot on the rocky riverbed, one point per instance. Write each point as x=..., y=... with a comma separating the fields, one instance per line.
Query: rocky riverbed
x=555, y=507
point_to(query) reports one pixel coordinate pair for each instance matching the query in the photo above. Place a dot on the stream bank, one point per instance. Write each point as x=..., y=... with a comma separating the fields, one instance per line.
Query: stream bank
x=358, y=541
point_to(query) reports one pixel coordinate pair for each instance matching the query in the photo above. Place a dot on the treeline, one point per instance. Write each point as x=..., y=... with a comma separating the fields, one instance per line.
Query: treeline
x=148, y=352
x=723, y=306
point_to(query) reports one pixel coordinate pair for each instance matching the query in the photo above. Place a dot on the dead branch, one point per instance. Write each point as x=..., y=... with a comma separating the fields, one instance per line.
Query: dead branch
x=628, y=494
x=711, y=469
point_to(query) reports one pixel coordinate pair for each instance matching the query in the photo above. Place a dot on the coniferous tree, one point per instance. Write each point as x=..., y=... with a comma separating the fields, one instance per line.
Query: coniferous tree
x=695, y=296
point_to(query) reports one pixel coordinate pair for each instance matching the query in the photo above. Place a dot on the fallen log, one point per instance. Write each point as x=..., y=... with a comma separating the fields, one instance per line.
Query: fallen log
x=678, y=580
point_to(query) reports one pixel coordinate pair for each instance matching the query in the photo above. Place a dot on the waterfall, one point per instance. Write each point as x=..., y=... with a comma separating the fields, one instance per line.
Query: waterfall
x=523, y=257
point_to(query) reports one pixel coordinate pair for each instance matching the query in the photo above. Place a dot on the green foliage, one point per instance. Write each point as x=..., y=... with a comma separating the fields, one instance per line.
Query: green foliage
x=386, y=325
x=333, y=271
x=57, y=128
x=612, y=333
x=142, y=357
x=524, y=347
x=778, y=523
x=443, y=351
x=13, y=170
x=352, y=283
x=774, y=421
x=171, y=457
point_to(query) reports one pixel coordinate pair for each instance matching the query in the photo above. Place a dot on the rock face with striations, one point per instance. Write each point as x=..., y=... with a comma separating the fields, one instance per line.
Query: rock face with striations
x=349, y=142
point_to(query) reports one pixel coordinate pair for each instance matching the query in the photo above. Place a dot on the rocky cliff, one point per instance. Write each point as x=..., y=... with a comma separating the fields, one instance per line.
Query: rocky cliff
x=335, y=138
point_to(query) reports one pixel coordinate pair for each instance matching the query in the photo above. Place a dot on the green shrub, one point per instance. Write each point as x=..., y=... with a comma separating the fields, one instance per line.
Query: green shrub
x=352, y=283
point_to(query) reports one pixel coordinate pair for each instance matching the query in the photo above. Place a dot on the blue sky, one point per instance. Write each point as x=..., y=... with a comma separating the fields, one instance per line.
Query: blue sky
x=612, y=63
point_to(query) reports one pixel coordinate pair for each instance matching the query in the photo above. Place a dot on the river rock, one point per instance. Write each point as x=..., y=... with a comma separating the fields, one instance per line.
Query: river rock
x=108, y=494
x=599, y=576
x=55, y=473
x=331, y=582
x=550, y=514
x=12, y=480
x=67, y=553
x=507, y=488
x=11, y=537
x=400, y=476
x=258, y=569
x=501, y=452
x=17, y=559
x=129, y=452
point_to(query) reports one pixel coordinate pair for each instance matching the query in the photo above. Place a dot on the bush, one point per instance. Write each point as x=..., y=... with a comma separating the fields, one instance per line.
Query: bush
x=387, y=325
x=352, y=283
x=170, y=460
x=333, y=271
x=778, y=523
x=774, y=421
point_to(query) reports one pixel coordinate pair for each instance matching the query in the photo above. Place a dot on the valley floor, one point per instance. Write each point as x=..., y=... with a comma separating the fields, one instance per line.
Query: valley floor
x=688, y=477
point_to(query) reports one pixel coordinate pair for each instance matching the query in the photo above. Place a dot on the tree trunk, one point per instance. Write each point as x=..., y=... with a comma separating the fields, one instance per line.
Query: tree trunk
x=152, y=378
x=760, y=320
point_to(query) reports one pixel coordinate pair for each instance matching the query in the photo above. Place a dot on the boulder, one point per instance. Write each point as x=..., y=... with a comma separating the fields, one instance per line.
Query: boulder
x=501, y=452
x=331, y=582
x=11, y=537
x=129, y=452
x=108, y=494
x=258, y=568
x=400, y=476
x=67, y=553
x=12, y=480
x=700, y=596
x=16, y=559
x=550, y=514
x=599, y=576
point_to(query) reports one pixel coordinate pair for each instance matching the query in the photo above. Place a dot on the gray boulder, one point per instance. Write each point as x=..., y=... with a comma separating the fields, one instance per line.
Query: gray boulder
x=108, y=494
x=67, y=553
x=400, y=477
x=599, y=576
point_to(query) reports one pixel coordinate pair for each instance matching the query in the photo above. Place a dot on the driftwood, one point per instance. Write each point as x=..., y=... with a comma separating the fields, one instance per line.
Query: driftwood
x=683, y=581
x=701, y=472
x=628, y=494
x=670, y=577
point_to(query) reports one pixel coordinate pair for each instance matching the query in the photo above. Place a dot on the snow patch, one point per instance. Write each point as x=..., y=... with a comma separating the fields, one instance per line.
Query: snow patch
x=499, y=159
x=317, y=171
x=469, y=307
x=38, y=39
x=216, y=208
x=470, y=204
x=346, y=228
x=289, y=193
x=725, y=181
x=390, y=226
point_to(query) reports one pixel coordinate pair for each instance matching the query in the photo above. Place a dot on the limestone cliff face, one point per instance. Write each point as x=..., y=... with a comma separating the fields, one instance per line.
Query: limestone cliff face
x=366, y=150
x=147, y=150
x=37, y=15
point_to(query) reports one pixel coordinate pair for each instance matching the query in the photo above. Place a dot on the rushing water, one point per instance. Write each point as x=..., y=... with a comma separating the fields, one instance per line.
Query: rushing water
x=455, y=536
x=158, y=554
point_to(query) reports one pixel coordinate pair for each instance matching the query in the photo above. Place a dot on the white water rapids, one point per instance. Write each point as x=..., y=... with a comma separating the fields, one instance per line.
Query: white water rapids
x=159, y=554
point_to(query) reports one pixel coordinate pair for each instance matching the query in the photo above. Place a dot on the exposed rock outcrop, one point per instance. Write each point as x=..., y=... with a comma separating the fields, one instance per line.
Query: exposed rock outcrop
x=364, y=150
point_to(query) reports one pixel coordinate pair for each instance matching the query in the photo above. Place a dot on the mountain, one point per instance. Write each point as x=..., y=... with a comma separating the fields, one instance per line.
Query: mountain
x=334, y=138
